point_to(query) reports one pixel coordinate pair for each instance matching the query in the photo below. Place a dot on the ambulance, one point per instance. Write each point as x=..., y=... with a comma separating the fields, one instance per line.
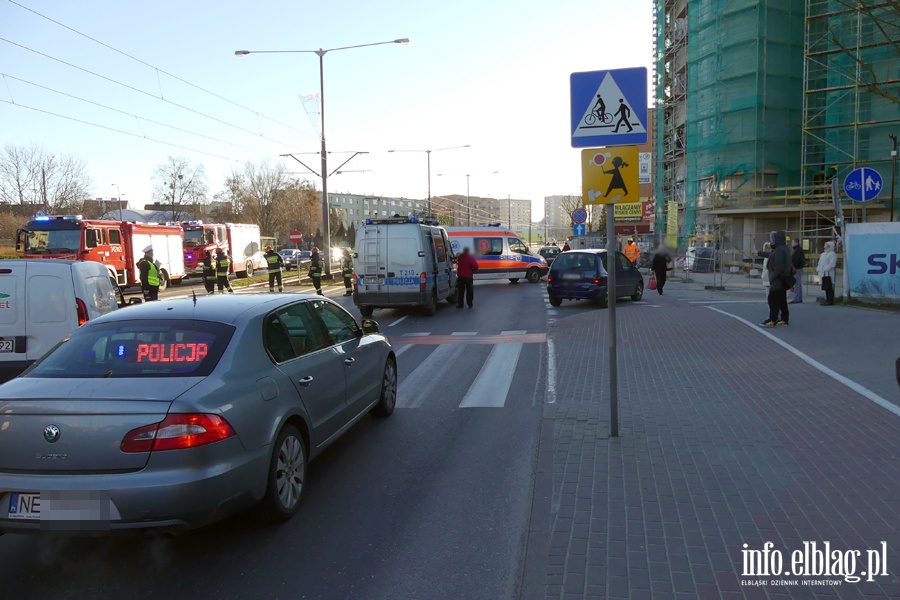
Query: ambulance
x=499, y=252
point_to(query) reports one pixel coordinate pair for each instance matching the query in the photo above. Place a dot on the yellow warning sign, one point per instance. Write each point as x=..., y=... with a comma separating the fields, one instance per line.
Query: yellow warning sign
x=610, y=175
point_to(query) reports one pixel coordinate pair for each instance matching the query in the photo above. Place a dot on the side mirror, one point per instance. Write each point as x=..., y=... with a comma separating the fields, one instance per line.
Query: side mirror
x=133, y=301
x=370, y=326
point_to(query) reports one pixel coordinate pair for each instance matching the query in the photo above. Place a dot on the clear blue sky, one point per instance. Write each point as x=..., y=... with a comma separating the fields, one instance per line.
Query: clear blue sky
x=490, y=73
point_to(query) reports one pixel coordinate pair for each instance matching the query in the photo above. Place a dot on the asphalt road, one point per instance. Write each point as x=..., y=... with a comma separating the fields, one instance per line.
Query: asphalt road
x=433, y=502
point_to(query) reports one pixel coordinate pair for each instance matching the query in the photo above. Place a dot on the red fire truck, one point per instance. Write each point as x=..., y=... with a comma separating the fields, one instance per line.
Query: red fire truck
x=116, y=244
x=241, y=241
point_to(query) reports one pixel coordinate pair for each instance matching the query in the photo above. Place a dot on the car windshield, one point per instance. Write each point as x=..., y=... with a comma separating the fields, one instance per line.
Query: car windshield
x=175, y=348
x=55, y=241
x=193, y=238
x=575, y=261
x=305, y=254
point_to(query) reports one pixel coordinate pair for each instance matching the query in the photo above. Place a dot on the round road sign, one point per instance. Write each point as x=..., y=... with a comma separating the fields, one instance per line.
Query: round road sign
x=863, y=184
x=295, y=236
x=579, y=215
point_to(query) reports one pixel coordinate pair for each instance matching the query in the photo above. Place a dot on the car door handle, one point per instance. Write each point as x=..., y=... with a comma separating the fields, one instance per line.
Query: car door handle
x=305, y=381
x=349, y=361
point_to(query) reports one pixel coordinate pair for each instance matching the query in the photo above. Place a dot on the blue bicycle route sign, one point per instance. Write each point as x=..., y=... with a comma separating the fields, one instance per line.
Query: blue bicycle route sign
x=863, y=184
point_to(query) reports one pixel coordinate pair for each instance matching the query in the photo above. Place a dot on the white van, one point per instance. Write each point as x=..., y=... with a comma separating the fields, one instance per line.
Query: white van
x=42, y=301
x=402, y=262
x=499, y=252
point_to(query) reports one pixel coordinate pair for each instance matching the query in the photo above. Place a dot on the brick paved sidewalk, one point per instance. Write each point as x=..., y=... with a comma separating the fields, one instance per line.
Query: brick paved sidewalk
x=726, y=439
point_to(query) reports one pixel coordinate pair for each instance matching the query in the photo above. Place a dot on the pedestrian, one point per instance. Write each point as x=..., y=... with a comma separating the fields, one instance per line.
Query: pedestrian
x=275, y=263
x=209, y=274
x=223, y=266
x=347, y=272
x=825, y=270
x=149, y=275
x=466, y=267
x=660, y=265
x=315, y=270
x=778, y=270
x=766, y=253
x=798, y=261
x=566, y=247
x=632, y=252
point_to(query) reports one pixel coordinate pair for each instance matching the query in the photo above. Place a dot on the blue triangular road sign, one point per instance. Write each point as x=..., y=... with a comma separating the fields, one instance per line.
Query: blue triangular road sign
x=609, y=108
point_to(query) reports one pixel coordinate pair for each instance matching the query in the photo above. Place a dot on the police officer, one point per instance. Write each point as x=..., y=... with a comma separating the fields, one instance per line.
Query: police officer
x=149, y=275
x=209, y=274
x=347, y=272
x=315, y=270
x=223, y=262
x=276, y=263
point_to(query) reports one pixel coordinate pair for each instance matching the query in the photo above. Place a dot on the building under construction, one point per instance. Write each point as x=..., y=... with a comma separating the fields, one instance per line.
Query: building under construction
x=760, y=102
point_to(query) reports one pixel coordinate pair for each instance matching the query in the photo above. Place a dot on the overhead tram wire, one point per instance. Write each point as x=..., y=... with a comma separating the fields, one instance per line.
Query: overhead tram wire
x=141, y=137
x=126, y=113
x=164, y=72
x=140, y=91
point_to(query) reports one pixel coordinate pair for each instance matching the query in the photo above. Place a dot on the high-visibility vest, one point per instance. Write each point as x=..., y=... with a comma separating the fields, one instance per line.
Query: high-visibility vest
x=274, y=261
x=347, y=267
x=315, y=267
x=222, y=265
x=152, y=272
x=632, y=252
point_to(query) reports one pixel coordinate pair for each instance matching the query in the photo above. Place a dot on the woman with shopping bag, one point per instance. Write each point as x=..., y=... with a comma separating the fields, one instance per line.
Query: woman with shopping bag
x=660, y=265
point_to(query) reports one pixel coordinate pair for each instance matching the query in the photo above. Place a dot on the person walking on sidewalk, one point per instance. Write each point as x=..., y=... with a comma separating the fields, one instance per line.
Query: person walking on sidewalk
x=798, y=261
x=466, y=267
x=275, y=263
x=659, y=266
x=825, y=270
x=347, y=272
x=778, y=269
x=315, y=270
x=223, y=265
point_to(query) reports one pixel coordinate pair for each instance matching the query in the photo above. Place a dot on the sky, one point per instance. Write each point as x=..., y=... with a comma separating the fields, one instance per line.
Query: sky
x=491, y=74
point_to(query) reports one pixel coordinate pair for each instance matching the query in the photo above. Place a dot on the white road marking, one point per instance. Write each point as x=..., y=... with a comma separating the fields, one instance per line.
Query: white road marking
x=402, y=349
x=398, y=320
x=493, y=381
x=551, y=372
x=551, y=312
x=434, y=369
x=464, y=333
x=862, y=391
x=727, y=302
x=427, y=333
x=515, y=332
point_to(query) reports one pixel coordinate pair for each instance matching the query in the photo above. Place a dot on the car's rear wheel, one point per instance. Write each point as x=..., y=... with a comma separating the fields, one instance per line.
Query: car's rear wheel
x=249, y=267
x=431, y=307
x=287, y=474
x=514, y=280
x=388, y=399
x=366, y=311
x=555, y=300
x=603, y=300
x=638, y=291
x=533, y=275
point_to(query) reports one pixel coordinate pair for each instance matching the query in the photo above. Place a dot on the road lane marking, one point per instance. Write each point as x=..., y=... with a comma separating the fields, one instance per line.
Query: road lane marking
x=727, y=302
x=398, y=320
x=430, y=372
x=464, y=333
x=514, y=332
x=551, y=372
x=425, y=334
x=401, y=350
x=862, y=391
x=528, y=338
x=493, y=381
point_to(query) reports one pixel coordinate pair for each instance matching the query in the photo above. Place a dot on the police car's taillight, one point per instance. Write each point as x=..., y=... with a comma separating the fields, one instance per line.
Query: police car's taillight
x=82, y=311
x=422, y=279
x=176, y=432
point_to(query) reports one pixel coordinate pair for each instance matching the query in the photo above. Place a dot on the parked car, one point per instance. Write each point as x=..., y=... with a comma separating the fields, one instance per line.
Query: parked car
x=582, y=275
x=549, y=253
x=176, y=414
x=289, y=255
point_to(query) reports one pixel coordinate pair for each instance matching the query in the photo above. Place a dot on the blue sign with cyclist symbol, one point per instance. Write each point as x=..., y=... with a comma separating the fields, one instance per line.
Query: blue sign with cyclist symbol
x=863, y=184
x=579, y=215
x=609, y=108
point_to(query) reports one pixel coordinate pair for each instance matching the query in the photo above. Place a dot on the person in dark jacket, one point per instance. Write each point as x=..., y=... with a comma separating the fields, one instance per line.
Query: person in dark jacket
x=223, y=265
x=150, y=276
x=209, y=274
x=466, y=266
x=778, y=269
x=275, y=264
x=316, y=268
x=659, y=266
x=798, y=261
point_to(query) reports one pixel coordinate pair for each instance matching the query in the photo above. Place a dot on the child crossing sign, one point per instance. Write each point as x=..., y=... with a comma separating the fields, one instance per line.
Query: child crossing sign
x=610, y=175
x=609, y=108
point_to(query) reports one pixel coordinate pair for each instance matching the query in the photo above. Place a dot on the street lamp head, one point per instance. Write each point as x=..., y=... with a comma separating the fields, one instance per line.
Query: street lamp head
x=404, y=41
x=241, y=52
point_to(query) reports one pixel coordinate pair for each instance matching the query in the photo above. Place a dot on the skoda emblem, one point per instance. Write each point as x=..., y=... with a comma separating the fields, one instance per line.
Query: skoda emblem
x=51, y=433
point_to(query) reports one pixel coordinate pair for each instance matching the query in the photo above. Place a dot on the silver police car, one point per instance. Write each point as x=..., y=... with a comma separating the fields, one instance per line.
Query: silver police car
x=172, y=415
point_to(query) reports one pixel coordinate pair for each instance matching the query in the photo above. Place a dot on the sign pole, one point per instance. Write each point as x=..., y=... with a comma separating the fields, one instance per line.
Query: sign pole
x=611, y=333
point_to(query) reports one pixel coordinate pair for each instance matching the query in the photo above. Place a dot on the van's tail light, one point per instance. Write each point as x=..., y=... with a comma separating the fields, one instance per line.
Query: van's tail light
x=82, y=311
x=356, y=284
x=178, y=431
x=422, y=279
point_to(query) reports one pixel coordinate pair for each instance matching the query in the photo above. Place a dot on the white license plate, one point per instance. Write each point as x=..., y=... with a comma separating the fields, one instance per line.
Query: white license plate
x=370, y=281
x=571, y=276
x=7, y=346
x=23, y=506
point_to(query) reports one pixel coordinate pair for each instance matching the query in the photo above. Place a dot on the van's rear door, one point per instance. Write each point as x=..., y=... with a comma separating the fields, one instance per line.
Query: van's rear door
x=442, y=264
x=371, y=263
x=406, y=263
x=51, y=311
x=13, y=343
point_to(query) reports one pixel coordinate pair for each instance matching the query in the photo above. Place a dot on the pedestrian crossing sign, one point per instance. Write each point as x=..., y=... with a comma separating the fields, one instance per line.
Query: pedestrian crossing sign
x=610, y=175
x=609, y=108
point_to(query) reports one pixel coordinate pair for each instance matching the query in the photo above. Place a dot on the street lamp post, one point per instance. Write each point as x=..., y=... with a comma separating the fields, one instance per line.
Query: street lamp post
x=469, y=197
x=321, y=52
x=428, y=154
x=115, y=185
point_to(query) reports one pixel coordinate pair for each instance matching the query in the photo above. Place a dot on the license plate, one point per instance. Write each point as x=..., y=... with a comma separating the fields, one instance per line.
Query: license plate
x=370, y=281
x=571, y=276
x=26, y=507
x=6, y=346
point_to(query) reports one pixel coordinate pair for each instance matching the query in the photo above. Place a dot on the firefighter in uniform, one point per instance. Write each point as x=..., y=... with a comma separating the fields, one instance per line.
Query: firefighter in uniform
x=149, y=275
x=223, y=262
x=209, y=274
x=315, y=270
x=347, y=272
x=276, y=264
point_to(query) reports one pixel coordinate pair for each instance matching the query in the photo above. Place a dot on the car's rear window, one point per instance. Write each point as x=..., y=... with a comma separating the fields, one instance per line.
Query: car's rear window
x=173, y=348
x=575, y=261
x=549, y=251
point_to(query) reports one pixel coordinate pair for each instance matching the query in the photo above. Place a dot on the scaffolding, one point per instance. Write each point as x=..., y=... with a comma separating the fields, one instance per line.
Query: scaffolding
x=851, y=96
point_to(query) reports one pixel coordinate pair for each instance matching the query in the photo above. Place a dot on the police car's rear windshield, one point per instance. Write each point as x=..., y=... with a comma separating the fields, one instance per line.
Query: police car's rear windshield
x=174, y=348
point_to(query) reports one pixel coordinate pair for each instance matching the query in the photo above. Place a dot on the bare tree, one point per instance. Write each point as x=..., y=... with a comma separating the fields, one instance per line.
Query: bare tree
x=180, y=186
x=231, y=199
x=265, y=186
x=32, y=175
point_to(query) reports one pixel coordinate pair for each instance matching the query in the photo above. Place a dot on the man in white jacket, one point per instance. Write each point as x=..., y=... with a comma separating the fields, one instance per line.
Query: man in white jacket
x=825, y=269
